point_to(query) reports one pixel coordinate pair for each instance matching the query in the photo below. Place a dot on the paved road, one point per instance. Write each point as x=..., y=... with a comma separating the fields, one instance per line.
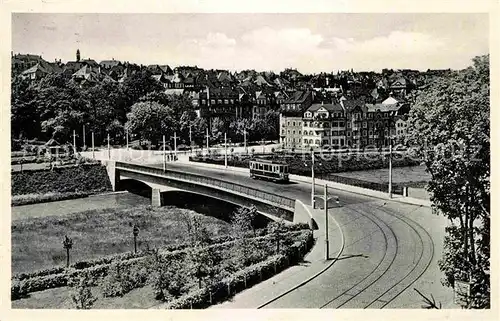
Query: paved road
x=390, y=248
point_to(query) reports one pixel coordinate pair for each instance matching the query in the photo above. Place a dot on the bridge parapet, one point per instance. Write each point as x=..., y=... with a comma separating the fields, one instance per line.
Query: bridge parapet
x=278, y=200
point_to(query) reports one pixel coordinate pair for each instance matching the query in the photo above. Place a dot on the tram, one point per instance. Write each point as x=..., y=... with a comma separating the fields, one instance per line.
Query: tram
x=268, y=169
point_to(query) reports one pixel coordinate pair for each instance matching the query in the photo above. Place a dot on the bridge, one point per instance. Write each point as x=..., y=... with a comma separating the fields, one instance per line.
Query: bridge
x=383, y=248
x=162, y=182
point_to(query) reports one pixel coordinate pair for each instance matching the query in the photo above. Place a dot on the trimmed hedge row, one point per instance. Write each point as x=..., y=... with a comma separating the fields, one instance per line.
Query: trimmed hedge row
x=243, y=279
x=83, y=178
x=130, y=255
x=54, y=278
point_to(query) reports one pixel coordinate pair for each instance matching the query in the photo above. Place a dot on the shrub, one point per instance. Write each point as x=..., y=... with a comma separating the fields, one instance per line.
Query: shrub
x=18, y=200
x=82, y=295
x=84, y=178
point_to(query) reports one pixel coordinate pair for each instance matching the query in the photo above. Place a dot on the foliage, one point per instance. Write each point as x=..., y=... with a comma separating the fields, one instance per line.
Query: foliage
x=243, y=220
x=82, y=295
x=168, y=278
x=449, y=129
x=151, y=120
x=18, y=200
x=85, y=178
x=122, y=278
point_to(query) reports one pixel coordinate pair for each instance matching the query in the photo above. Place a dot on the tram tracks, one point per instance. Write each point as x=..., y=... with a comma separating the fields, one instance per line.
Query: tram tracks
x=372, y=290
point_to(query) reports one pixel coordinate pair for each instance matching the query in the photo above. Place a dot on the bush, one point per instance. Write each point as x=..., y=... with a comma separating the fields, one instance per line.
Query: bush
x=84, y=178
x=19, y=200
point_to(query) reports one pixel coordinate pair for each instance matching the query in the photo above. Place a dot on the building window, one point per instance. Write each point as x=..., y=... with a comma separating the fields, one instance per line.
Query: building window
x=293, y=132
x=203, y=101
x=299, y=132
x=212, y=101
x=364, y=124
x=341, y=124
x=226, y=101
x=293, y=124
x=348, y=125
x=348, y=134
x=306, y=124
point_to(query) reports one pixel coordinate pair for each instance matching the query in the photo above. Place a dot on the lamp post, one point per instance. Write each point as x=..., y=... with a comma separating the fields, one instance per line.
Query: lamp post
x=135, y=231
x=126, y=135
x=225, y=150
x=390, y=167
x=325, y=200
x=190, y=139
x=84, y=137
x=109, y=149
x=93, y=146
x=74, y=143
x=312, y=177
x=175, y=143
x=67, y=244
x=207, y=137
x=164, y=156
x=245, y=141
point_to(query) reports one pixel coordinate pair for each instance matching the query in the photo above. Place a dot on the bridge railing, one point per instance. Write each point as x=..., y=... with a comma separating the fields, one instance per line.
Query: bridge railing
x=271, y=197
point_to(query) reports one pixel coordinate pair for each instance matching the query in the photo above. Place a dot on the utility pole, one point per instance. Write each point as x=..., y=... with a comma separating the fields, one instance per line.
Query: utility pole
x=263, y=148
x=327, y=244
x=390, y=167
x=175, y=143
x=93, y=147
x=207, y=136
x=312, y=176
x=109, y=149
x=126, y=135
x=225, y=150
x=164, y=156
x=245, y=140
x=74, y=143
x=84, y=137
x=190, y=139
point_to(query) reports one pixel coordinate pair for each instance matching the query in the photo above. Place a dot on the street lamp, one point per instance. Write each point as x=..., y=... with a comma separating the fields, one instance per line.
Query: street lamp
x=67, y=244
x=164, y=156
x=325, y=200
x=225, y=150
x=135, y=231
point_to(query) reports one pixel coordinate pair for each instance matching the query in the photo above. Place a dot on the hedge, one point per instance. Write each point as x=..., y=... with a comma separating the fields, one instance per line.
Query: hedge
x=243, y=279
x=19, y=200
x=83, y=178
x=58, y=277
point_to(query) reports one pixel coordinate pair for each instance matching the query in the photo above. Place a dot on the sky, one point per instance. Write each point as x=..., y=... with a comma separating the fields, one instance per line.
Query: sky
x=311, y=43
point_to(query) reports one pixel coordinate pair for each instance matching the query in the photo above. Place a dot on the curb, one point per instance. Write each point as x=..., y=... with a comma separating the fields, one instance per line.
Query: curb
x=329, y=265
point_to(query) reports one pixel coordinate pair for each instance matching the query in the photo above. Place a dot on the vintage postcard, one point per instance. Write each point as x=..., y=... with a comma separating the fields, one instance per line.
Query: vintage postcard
x=210, y=157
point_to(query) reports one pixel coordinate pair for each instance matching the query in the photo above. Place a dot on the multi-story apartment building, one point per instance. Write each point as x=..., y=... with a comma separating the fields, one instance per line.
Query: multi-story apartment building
x=324, y=125
x=344, y=123
x=223, y=103
x=292, y=110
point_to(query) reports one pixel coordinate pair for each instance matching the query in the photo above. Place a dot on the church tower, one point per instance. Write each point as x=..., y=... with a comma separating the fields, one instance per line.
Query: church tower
x=77, y=54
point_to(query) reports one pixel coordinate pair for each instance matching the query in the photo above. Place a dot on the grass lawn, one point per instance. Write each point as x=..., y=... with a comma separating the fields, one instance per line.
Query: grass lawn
x=37, y=242
x=399, y=175
x=140, y=298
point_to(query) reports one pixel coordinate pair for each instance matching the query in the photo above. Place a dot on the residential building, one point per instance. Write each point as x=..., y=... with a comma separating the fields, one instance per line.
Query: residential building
x=291, y=114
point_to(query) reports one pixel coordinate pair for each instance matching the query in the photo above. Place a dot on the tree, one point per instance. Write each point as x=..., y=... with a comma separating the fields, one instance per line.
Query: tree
x=277, y=229
x=218, y=129
x=449, y=130
x=243, y=220
x=139, y=84
x=198, y=131
x=150, y=120
x=25, y=120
